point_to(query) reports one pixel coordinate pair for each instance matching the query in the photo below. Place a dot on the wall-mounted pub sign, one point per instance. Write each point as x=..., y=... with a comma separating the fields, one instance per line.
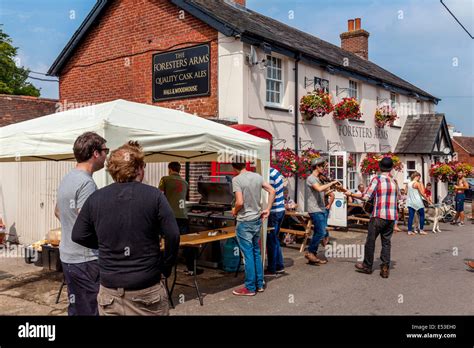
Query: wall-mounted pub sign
x=183, y=73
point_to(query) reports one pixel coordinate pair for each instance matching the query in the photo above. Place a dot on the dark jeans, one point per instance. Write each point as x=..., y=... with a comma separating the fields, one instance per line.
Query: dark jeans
x=275, y=257
x=188, y=253
x=385, y=229
x=82, y=280
x=320, y=222
x=411, y=217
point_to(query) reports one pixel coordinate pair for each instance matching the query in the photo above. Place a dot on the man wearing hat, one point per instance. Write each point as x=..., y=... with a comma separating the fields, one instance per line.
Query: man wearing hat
x=384, y=190
x=316, y=208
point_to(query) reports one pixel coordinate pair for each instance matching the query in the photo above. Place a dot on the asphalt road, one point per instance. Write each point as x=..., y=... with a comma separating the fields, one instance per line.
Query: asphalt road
x=428, y=277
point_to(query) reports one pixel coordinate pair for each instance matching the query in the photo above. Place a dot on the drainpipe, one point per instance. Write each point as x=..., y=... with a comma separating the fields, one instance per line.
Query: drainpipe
x=295, y=110
x=423, y=169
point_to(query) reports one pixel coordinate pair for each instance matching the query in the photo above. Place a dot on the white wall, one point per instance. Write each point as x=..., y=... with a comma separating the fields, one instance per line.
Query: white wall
x=28, y=193
x=244, y=101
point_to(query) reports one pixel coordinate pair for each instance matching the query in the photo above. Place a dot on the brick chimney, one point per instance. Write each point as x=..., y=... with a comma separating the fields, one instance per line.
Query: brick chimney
x=240, y=2
x=355, y=39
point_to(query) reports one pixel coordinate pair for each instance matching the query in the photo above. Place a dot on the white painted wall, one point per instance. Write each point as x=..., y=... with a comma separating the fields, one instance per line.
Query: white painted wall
x=244, y=101
x=28, y=193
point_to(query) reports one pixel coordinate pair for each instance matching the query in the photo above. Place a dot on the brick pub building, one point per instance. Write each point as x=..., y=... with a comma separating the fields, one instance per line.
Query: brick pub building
x=258, y=70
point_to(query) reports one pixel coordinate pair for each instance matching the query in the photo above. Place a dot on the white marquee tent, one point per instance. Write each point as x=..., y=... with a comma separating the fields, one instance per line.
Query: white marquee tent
x=165, y=134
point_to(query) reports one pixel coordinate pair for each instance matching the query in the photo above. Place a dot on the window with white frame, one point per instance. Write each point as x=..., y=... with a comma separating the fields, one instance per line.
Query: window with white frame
x=411, y=168
x=274, y=81
x=352, y=171
x=394, y=102
x=353, y=89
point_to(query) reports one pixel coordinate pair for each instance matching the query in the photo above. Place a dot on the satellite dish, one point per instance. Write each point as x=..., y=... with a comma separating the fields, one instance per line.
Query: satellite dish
x=253, y=56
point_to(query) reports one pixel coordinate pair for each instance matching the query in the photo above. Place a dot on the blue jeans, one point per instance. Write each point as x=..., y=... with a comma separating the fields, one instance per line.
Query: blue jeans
x=411, y=216
x=248, y=236
x=275, y=257
x=320, y=221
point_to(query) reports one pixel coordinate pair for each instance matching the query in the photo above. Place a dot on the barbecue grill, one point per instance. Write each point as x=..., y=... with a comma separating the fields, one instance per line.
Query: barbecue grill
x=213, y=211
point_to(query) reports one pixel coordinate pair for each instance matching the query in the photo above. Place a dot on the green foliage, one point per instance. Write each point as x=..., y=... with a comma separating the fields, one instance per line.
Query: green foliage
x=13, y=78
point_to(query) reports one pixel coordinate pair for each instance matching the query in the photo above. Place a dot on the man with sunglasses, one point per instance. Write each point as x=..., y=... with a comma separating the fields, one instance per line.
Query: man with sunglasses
x=80, y=265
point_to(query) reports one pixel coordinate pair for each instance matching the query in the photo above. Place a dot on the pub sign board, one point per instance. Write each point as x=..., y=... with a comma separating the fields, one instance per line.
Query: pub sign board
x=182, y=73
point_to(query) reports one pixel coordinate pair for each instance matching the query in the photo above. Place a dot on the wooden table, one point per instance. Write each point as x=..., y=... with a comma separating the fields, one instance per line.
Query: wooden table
x=364, y=217
x=198, y=241
x=304, y=220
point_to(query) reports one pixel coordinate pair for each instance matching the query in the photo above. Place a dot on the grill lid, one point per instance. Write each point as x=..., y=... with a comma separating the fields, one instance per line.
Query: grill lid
x=216, y=190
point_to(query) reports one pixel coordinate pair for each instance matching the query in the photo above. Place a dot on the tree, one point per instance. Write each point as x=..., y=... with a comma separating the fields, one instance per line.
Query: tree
x=13, y=78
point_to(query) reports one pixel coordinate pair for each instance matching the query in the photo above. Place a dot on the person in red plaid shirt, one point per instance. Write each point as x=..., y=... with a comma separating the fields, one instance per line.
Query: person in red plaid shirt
x=384, y=215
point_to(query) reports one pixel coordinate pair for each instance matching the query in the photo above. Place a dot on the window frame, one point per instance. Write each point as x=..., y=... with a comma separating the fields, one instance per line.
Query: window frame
x=351, y=89
x=408, y=170
x=276, y=81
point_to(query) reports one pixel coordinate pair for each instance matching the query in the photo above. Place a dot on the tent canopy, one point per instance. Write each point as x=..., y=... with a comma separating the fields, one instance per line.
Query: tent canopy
x=165, y=134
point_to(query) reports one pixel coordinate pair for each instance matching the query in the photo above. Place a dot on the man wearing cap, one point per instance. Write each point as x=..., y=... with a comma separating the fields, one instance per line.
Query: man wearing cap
x=316, y=208
x=384, y=190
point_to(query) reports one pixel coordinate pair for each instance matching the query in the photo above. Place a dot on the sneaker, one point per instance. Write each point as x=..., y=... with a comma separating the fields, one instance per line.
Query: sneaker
x=423, y=233
x=410, y=233
x=260, y=289
x=191, y=272
x=281, y=271
x=460, y=223
x=243, y=292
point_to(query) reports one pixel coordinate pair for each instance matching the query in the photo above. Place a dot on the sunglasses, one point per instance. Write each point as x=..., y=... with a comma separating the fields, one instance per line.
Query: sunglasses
x=106, y=149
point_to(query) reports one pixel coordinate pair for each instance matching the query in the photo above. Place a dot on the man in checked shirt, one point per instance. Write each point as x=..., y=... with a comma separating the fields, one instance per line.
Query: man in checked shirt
x=384, y=215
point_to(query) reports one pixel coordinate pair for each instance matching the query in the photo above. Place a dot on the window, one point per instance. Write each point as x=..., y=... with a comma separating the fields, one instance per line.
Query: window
x=394, y=100
x=274, y=81
x=353, y=90
x=352, y=180
x=352, y=171
x=411, y=168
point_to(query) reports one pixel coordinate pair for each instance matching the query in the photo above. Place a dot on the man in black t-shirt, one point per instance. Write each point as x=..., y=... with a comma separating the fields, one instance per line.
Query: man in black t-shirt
x=126, y=221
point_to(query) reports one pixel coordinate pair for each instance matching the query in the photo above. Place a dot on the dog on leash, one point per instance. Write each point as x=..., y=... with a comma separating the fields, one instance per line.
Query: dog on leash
x=434, y=213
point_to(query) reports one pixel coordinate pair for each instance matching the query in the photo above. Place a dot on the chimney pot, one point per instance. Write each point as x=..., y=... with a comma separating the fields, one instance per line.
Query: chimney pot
x=241, y=2
x=350, y=25
x=357, y=23
x=356, y=40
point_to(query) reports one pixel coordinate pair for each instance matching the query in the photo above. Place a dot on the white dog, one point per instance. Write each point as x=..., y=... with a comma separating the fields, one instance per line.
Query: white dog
x=434, y=213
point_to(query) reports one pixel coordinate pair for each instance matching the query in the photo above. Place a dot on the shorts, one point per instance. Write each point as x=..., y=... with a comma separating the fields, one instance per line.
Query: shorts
x=459, y=200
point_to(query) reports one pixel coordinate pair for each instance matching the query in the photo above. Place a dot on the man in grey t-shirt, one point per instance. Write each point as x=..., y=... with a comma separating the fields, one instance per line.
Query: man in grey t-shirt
x=80, y=265
x=316, y=208
x=247, y=187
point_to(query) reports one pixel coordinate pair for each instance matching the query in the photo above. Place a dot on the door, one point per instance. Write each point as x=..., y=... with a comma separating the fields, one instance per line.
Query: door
x=338, y=171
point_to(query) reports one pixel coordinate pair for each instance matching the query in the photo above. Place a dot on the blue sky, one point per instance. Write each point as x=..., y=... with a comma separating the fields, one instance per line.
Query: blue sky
x=417, y=40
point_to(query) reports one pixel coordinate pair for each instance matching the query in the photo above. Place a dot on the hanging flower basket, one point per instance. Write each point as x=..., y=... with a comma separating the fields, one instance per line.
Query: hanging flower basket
x=370, y=164
x=286, y=162
x=447, y=172
x=304, y=163
x=442, y=172
x=316, y=104
x=347, y=109
x=385, y=115
x=466, y=168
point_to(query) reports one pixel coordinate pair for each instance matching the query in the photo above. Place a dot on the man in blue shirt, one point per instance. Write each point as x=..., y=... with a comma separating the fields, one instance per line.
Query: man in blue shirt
x=277, y=214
